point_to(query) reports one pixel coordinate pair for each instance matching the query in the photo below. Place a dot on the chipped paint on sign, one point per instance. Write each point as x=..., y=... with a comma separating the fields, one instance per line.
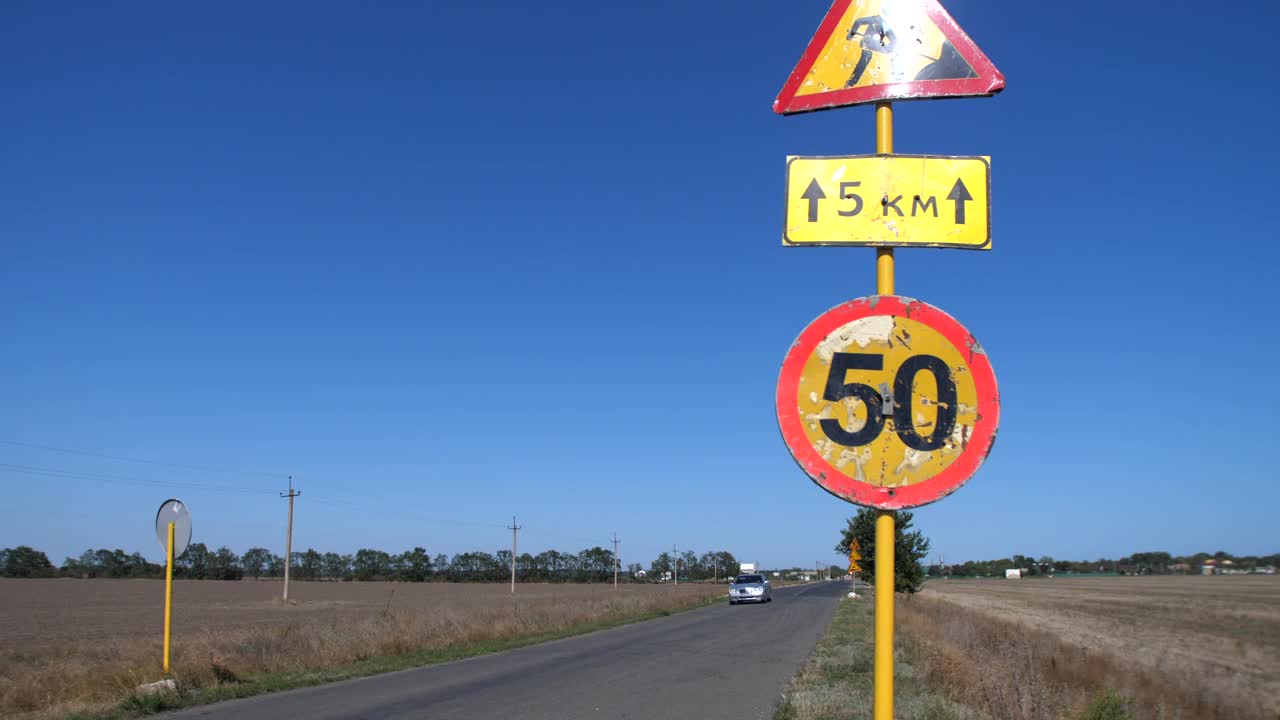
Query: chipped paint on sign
x=877, y=50
x=884, y=402
x=889, y=200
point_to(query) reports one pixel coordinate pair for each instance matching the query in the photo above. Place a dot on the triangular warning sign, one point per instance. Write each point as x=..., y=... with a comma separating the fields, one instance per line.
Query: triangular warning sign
x=880, y=50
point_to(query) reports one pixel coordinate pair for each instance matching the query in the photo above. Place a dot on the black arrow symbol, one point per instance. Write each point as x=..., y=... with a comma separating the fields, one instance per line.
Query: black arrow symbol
x=813, y=194
x=960, y=194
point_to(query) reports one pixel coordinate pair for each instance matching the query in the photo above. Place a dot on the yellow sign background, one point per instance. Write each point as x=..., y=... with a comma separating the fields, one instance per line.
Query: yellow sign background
x=886, y=460
x=898, y=200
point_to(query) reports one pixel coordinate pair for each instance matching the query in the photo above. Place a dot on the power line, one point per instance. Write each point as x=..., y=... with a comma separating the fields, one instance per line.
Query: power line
x=124, y=458
x=340, y=503
x=123, y=479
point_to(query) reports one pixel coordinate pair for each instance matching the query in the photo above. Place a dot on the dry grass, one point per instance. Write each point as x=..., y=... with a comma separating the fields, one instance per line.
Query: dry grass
x=835, y=683
x=72, y=644
x=1182, y=648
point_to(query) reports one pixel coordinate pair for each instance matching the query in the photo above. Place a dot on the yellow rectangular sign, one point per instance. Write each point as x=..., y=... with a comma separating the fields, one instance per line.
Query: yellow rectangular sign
x=889, y=200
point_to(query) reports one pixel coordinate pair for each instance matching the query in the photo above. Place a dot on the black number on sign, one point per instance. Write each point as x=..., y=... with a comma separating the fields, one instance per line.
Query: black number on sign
x=903, y=391
x=838, y=389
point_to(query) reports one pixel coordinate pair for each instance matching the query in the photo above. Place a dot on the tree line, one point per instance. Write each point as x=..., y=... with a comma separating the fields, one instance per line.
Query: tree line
x=1143, y=563
x=595, y=564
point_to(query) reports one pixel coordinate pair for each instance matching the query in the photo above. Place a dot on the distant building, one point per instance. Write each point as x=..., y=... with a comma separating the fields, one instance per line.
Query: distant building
x=1014, y=574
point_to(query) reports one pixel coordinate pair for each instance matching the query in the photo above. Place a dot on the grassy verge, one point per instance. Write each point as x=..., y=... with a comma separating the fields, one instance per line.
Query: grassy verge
x=196, y=688
x=836, y=682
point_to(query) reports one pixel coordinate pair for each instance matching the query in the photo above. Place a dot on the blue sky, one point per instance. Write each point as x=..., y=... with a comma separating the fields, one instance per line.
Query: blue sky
x=449, y=262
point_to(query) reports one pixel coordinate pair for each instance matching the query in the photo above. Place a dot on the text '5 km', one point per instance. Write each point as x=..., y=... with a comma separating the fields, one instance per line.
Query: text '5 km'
x=889, y=200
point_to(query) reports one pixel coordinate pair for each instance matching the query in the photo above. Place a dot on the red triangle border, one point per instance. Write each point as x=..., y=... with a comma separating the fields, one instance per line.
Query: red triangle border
x=988, y=82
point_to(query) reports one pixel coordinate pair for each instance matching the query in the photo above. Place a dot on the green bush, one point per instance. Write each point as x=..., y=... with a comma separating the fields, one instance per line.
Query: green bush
x=1108, y=705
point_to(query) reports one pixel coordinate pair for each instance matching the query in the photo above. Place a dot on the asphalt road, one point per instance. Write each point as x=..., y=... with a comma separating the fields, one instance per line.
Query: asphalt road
x=715, y=662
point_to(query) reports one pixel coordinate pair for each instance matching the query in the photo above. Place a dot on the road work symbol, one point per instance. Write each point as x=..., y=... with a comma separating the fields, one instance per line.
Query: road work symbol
x=876, y=38
x=877, y=50
x=887, y=402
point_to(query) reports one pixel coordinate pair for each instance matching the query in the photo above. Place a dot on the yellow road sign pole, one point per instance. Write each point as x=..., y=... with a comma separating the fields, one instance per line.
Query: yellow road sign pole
x=168, y=595
x=883, y=689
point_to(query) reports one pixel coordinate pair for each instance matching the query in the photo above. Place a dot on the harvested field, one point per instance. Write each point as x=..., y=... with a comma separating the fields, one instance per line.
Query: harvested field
x=1181, y=647
x=67, y=644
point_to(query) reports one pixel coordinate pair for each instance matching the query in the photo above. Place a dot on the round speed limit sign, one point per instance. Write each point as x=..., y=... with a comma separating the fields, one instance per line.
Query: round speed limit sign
x=888, y=402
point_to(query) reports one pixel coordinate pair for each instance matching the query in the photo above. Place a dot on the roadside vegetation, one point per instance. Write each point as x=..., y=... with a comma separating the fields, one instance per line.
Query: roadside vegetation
x=836, y=681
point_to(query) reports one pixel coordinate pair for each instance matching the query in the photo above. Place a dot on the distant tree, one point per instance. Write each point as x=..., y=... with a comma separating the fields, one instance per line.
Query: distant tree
x=910, y=548
x=525, y=566
x=337, y=567
x=689, y=567
x=310, y=565
x=718, y=564
x=72, y=567
x=139, y=567
x=414, y=565
x=275, y=566
x=502, y=560
x=194, y=562
x=660, y=566
x=551, y=565
x=440, y=566
x=474, y=567
x=372, y=564
x=595, y=564
x=26, y=562
x=255, y=561
x=225, y=565
x=634, y=569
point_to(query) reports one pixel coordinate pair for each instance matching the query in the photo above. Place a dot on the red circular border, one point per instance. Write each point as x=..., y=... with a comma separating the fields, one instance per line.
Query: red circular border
x=862, y=493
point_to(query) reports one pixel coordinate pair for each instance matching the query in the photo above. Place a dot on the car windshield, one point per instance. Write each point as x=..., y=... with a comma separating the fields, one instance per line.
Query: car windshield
x=743, y=579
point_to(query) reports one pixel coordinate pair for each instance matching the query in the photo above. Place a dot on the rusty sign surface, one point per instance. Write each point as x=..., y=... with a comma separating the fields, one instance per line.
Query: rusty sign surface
x=875, y=50
x=888, y=402
x=889, y=200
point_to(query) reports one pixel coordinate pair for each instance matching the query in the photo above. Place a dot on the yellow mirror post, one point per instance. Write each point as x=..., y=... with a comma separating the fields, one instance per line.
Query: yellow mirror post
x=168, y=595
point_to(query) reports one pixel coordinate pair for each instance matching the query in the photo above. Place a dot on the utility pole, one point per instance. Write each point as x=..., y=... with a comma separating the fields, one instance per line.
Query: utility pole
x=288, y=539
x=675, y=565
x=616, y=562
x=514, y=529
